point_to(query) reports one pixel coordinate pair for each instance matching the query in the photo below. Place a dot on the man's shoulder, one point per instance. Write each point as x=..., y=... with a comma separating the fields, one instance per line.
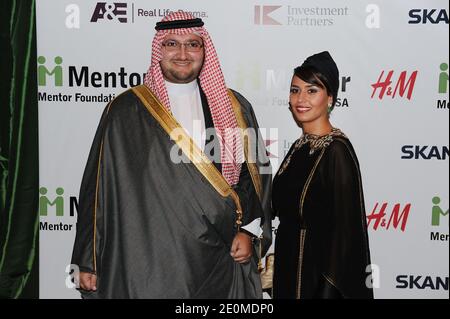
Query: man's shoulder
x=124, y=102
x=124, y=97
x=246, y=106
x=238, y=95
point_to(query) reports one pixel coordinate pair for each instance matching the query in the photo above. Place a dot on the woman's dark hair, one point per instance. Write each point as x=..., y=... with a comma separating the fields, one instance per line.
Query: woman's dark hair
x=312, y=76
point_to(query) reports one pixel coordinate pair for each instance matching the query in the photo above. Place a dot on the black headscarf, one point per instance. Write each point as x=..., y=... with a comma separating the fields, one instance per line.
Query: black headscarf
x=323, y=63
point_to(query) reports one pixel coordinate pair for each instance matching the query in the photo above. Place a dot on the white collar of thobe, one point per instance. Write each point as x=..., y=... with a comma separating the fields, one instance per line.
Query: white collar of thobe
x=177, y=89
x=186, y=107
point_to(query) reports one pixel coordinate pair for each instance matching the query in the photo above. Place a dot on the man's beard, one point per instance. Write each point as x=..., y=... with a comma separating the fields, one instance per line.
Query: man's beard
x=176, y=76
x=181, y=77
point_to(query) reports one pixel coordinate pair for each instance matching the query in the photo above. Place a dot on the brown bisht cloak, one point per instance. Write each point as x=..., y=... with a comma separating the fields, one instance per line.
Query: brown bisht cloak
x=151, y=228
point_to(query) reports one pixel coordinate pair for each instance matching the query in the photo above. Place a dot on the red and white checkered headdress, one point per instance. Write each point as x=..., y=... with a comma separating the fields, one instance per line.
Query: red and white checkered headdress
x=213, y=84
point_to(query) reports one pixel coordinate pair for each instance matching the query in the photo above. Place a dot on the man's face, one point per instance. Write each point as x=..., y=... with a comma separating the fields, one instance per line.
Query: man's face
x=182, y=63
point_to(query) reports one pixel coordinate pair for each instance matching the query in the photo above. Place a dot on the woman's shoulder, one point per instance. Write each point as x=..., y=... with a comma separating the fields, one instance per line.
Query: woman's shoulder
x=340, y=143
x=341, y=146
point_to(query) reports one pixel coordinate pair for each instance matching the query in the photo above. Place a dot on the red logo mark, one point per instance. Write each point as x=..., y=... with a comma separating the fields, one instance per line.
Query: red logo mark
x=394, y=219
x=401, y=87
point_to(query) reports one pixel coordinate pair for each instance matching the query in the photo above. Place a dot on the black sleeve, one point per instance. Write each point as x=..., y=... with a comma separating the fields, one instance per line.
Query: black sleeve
x=249, y=199
x=348, y=247
x=83, y=250
x=325, y=290
x=265, y=170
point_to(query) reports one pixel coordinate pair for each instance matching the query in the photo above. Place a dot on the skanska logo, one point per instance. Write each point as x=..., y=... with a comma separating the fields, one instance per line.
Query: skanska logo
x=428, y=16
x=422, y=282
x=425, y=152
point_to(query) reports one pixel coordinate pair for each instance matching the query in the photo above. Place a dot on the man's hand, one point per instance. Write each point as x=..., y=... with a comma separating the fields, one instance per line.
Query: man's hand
x=241, y=248
x=88, y=281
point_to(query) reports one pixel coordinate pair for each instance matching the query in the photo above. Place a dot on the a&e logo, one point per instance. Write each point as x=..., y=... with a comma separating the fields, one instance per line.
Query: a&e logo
x=116, y=11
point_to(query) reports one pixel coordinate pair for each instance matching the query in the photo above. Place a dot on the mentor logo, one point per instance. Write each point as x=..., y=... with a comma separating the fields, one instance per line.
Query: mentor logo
x=51, y=206
x=385, y=217
x=52, y=203
x=443, y=78
x=55, y=72
x=115, y=11
x=262, y=15
x=390, y=85
x=437, y=214
x=428, y=16
x=443, y=86
x=83, y=76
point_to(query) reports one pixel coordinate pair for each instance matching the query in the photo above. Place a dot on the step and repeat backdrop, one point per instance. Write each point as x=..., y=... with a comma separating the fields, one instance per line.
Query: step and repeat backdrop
x=393, y=58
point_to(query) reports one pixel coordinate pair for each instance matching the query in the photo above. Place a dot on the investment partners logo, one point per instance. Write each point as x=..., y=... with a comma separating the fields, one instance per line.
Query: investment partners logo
x=312, y=16
x=262, y=15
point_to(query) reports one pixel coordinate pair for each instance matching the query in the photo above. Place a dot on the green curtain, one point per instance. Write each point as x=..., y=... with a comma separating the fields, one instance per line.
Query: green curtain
x=19, y=168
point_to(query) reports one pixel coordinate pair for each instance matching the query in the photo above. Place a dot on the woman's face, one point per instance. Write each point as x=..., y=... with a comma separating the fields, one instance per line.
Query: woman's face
x=308, y=102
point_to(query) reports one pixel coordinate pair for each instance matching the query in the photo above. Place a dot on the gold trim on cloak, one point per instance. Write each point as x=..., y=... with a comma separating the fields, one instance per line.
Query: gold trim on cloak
x=251, y=163
x=188, y=146
x=97, y=181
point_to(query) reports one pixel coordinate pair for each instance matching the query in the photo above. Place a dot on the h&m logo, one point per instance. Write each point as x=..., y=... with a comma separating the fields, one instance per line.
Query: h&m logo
x=116, y=11
x=403, y=84
x=396, y=218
